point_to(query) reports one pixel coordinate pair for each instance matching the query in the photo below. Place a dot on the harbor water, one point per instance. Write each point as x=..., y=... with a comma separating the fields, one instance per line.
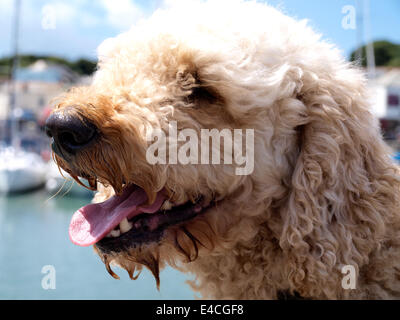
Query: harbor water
x=34, y=245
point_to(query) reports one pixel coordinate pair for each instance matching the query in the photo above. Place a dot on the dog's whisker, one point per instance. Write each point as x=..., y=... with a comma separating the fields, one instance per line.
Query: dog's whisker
x=69, y=189
x=58, y=191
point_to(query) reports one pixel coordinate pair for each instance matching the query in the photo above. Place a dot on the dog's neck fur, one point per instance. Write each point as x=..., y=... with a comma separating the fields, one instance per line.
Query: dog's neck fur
x=271, y=261
x=274, y=273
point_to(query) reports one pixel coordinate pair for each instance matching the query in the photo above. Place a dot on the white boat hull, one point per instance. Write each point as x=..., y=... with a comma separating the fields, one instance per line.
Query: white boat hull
x=20, y=180
x=20, y=171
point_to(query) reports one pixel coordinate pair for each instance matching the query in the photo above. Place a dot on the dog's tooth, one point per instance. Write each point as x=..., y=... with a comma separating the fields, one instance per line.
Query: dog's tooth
x=167, y=205
x=115, y=233
x=125, y=225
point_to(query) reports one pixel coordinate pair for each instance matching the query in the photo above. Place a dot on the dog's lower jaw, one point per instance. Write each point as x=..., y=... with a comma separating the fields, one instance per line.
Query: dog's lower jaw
x=176, y=247
x=179, y=243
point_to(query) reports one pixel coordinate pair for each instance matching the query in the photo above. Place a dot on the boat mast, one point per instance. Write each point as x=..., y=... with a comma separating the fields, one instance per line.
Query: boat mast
x=370, y=45
x=364, y=30
x=359, y=32
x=15, y=141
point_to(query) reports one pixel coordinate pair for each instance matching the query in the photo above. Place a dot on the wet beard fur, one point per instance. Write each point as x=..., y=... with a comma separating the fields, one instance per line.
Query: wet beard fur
x=133, y=260
x=181, y=246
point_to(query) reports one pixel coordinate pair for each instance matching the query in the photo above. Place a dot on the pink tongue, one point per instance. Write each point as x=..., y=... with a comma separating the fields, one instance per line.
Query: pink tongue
x=93, y=222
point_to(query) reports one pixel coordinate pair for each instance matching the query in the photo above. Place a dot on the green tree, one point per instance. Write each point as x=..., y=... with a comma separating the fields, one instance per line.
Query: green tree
x=81, y=66
x=386, y=54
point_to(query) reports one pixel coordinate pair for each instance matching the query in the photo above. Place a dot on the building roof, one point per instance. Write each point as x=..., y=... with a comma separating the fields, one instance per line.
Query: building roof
x=46, y=72
x=388, y=77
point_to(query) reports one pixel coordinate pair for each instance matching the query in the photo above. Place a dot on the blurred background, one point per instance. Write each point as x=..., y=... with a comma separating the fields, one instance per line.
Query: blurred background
x=48, y=46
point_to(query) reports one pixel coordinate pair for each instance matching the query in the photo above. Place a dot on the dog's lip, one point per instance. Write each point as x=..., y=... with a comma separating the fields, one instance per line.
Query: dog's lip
x=151, y=227
x=93, y=222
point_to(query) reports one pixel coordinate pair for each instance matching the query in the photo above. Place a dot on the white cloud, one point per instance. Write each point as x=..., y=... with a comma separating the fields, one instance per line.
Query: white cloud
x=64, y=11
x=122, y=14
x=6, y=5
x=72, y=12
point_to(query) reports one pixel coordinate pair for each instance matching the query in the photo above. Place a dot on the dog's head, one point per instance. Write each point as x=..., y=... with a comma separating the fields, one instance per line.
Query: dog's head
x=289, y=110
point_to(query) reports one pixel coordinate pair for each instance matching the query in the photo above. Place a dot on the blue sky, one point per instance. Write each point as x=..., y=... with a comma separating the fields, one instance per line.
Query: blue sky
x=76, y=27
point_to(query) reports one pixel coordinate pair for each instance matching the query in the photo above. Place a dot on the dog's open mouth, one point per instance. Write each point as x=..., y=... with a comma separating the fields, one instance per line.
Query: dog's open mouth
x=124, y=221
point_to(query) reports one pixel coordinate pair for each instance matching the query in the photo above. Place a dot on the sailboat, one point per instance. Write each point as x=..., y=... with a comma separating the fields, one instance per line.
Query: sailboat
x=19, y=170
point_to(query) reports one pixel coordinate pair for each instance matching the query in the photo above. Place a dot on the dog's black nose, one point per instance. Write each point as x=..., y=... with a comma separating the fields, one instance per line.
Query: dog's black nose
x=71, y=133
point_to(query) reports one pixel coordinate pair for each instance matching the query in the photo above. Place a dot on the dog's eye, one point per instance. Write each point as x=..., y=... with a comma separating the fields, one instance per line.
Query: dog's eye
x=204, y=95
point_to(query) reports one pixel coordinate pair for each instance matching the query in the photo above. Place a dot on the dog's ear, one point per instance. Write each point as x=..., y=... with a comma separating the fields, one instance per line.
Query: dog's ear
x=343, y=190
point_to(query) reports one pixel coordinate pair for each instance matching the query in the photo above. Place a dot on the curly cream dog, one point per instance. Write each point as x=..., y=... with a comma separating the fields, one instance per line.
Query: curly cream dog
x=324, y=192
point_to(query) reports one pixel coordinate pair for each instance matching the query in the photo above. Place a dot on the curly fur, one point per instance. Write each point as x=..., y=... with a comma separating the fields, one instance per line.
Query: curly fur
x=324, y=192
